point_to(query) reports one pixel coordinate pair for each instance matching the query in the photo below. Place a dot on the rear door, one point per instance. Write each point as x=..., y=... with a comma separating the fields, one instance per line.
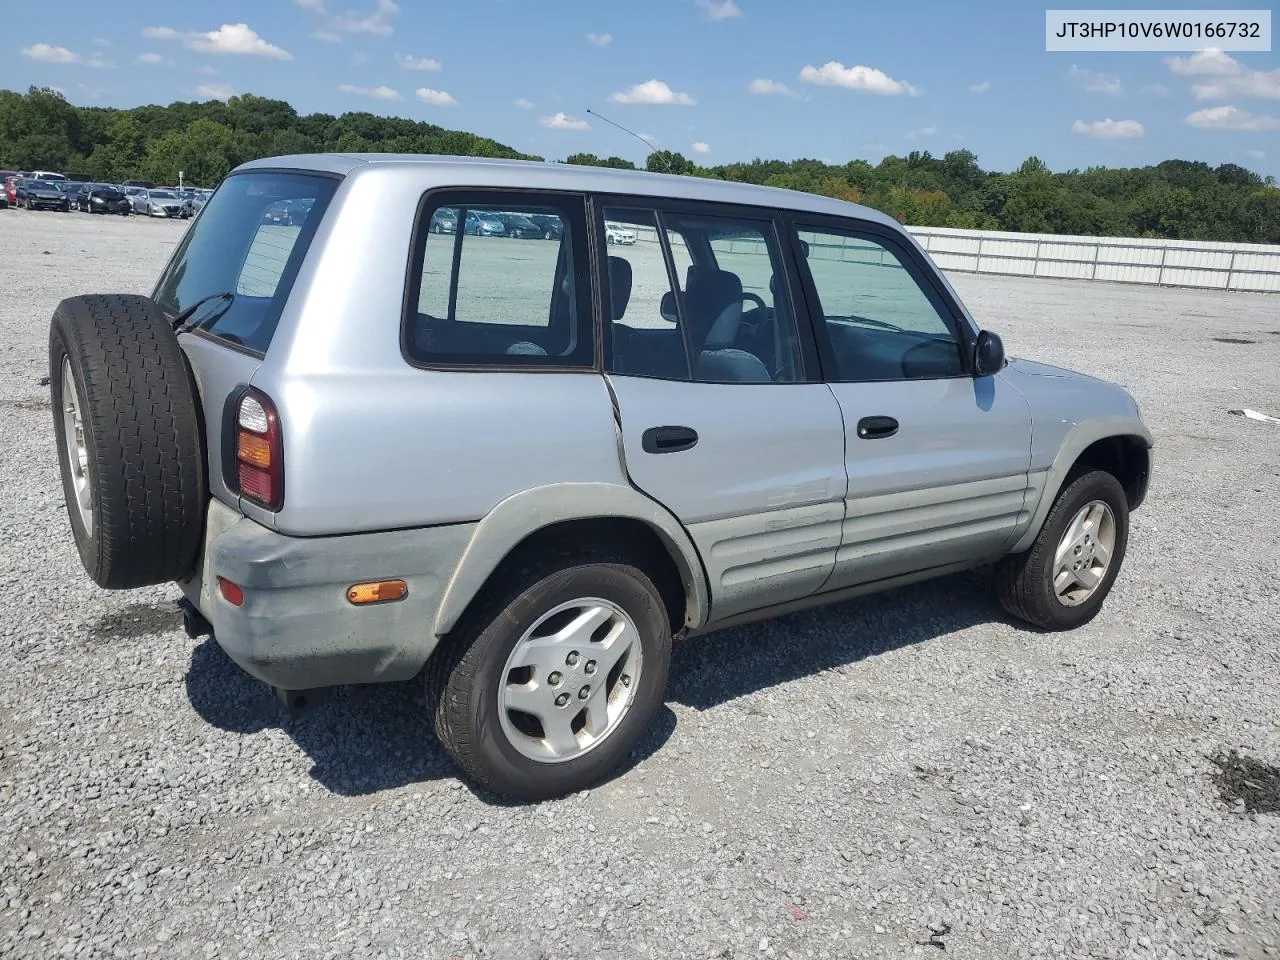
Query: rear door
x=937, y=459
x=723, y=418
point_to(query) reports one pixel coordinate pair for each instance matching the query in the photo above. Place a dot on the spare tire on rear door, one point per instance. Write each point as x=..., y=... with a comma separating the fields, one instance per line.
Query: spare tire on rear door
x=129, y=438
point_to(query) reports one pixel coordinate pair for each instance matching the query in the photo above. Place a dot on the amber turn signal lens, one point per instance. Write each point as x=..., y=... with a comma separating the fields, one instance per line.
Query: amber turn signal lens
x=253, y=449
x=380, y=591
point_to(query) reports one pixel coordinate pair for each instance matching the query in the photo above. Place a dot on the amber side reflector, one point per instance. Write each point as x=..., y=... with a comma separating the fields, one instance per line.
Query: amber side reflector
x=231, y=592
x=380, y=591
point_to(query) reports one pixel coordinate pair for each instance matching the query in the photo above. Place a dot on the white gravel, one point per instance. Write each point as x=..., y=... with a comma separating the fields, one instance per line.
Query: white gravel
x=871, y=780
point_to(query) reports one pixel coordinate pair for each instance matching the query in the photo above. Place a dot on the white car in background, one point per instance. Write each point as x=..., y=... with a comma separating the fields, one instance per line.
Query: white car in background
x=617, y=233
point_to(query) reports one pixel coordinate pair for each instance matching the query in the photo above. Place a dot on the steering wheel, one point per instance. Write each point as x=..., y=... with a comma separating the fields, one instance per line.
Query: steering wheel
x=757, y=300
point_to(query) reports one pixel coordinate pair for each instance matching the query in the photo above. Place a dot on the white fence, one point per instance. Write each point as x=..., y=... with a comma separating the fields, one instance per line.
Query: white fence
x=1181, y=263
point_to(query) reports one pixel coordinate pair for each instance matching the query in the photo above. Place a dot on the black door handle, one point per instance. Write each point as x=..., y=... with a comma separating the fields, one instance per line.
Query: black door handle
x=668, y=439
x=876, y=428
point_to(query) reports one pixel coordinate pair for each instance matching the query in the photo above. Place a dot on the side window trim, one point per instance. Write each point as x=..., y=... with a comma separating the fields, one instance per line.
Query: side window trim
x=919, y=272
x=677, y=290
x=812, y=360
x=434, y=198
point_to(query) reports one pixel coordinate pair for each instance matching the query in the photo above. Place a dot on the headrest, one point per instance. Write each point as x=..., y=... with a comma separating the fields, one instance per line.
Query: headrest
x=619, y=286
x=713, y=303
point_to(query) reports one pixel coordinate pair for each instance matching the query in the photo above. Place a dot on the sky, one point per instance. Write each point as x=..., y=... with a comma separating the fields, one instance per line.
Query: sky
x=717, y=80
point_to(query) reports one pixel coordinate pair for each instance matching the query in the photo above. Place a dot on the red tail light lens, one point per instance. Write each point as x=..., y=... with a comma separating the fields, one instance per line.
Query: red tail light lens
x=259, y=451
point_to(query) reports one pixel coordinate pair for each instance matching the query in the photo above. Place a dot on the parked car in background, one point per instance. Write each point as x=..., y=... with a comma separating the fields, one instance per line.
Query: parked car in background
x=617, y=233
x=102, y=198
x=144, y=184
x=6, y=196
x=552, y=226
x=520, y=227
x=47, y=175
x=483, y=224
x=136, y=196
x=42, y=195
x=444, y=220
x=163, y=203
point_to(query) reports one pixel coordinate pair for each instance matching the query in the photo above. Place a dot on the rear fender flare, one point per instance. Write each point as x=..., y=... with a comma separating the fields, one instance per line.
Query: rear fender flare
x=525, y=513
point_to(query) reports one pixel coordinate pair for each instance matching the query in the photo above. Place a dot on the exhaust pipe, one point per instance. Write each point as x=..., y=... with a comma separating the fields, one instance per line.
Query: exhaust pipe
x=193, y=621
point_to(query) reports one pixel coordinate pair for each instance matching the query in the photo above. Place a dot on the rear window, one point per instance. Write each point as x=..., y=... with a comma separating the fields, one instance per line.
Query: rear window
x=249, y=241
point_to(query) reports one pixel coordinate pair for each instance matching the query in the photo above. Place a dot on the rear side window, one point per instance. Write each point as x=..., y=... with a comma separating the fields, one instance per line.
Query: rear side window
x=500, y=279
x=249, y=242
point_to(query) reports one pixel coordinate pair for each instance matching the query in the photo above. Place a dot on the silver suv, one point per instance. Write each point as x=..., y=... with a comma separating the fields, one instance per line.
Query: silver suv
x=520, y=469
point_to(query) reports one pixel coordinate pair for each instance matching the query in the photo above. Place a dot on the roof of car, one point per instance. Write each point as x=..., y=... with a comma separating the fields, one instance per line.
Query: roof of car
x=529, y=174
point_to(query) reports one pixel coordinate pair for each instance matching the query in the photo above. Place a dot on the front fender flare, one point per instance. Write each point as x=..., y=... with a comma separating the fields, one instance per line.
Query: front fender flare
x=1082, y=436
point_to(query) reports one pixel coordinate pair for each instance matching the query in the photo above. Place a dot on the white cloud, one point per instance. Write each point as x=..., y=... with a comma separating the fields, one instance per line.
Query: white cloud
x=374, y=23
x=653, y=91
x=562, y=121
x=1258, y=84
x=1094, y=82
x=1209, y=62
x=418, y=63
x=47, y=53
x=1155, y=90
x=701, y=147
x=600, y=39
x=1109, y=129
x=102, y=42
x=215, y=91
x=864, y=79
x=920, y=132
x=1232, y=118
x=155, y=60
x=326, y=36
x=524, y=103
x=437, y=98
x=724, y=10
x=765, y=88
x=316, y=5
x=648, y=138
x=982, y=87
x=376, y=93
x=230, y=38
x=1255, y=154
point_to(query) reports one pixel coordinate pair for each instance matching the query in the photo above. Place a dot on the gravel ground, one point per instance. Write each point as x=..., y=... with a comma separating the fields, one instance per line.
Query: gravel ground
x=902, y=776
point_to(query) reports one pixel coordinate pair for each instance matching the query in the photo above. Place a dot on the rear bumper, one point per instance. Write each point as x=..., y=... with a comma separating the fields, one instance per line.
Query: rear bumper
x=296, y=629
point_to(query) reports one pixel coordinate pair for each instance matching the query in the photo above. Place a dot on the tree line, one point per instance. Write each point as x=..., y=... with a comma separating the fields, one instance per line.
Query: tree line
x=1176, y=199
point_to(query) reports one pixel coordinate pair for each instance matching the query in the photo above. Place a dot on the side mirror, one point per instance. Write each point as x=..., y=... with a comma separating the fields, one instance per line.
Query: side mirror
x=988, y=354
x=668, y=308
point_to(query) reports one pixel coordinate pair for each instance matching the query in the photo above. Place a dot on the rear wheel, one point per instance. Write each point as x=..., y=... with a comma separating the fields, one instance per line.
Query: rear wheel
x=553, y=678
x=129, y=440
x=1062, y=581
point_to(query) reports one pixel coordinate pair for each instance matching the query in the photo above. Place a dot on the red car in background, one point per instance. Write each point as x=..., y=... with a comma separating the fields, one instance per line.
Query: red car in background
x=8, y=189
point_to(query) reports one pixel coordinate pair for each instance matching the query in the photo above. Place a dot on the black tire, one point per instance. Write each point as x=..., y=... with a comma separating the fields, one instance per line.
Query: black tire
x=143, y=437
x=1024, y=581
x=463, y=676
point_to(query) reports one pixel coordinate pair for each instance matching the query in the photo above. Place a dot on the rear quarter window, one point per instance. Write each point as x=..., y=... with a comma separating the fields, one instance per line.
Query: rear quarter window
x=500, y=279
x=248, y=241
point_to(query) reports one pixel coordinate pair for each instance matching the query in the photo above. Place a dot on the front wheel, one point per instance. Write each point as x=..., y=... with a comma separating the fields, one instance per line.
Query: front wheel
x=1062, y=581
x=554, y=678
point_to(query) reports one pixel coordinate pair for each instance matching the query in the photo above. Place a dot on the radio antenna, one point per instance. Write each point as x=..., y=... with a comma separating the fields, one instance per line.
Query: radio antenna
x=632, y=133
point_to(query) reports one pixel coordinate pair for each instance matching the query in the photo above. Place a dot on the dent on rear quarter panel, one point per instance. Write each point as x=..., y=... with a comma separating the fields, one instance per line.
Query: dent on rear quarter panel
x=372, y=443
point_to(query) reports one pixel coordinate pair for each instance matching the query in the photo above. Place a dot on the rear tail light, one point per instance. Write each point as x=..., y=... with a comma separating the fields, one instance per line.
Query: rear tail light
x=259, y=451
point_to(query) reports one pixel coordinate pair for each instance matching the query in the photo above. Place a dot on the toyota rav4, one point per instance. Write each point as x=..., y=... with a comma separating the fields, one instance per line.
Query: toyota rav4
x=367, y=451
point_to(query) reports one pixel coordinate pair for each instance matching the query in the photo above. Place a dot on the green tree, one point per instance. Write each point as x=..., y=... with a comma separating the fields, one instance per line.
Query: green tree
x=668, y=161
